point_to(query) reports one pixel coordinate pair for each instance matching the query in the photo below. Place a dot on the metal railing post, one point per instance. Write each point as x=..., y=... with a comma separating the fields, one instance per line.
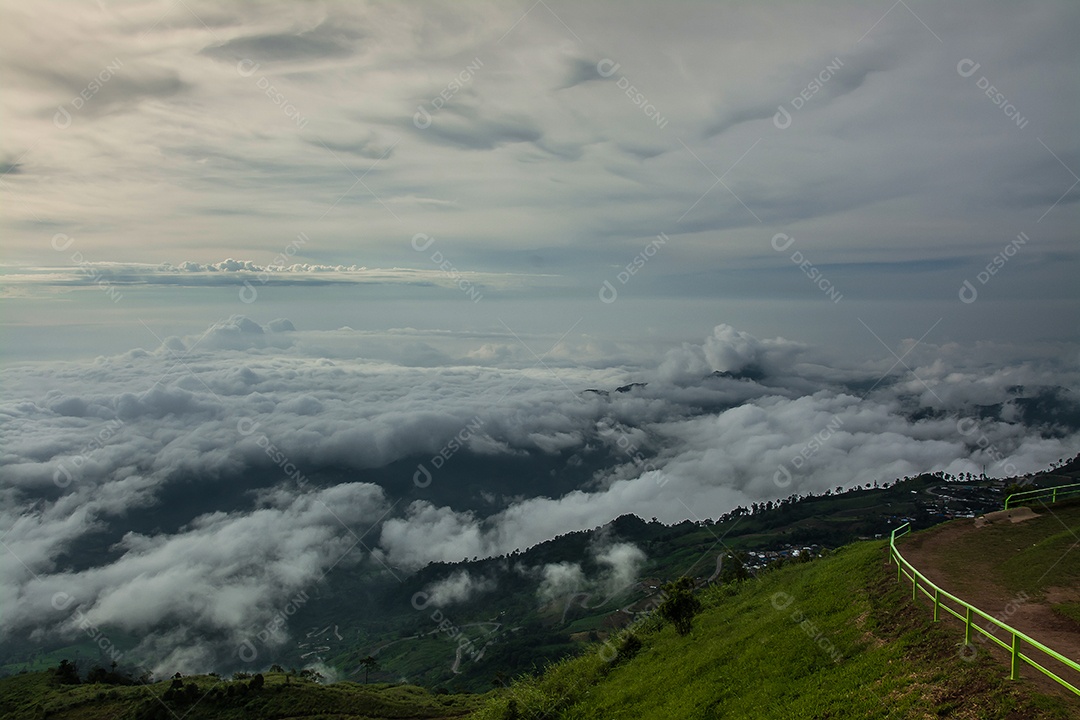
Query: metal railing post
x=1016, y=657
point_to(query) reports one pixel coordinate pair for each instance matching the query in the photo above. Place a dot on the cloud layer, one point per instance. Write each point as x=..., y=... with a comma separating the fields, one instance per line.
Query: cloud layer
x=553, y=138
x=226, y=472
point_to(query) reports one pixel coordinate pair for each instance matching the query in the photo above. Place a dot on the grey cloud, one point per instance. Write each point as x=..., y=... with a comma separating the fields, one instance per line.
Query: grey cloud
x=710, y=430
x=366, y=148
x=459, y=587
x=222, y=576
x=849, y=73
x=124, y=87
x=472, y=129
x=642, y=152
x=327, y=40
x=581, y=70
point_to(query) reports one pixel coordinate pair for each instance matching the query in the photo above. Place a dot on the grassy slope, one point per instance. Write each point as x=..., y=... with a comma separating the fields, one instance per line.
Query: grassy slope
x=869, y=653
x=1031, y=556
x=25, y=696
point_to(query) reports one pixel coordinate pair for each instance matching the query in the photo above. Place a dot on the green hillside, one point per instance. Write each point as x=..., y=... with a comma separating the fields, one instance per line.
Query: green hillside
x=835, y=638
x=39, y=695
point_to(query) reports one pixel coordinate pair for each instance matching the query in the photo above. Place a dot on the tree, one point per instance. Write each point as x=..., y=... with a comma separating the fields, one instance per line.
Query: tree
x=256, y=683
x=680, y=604
x=734, y=569
x=369, y=663
x=67, y=673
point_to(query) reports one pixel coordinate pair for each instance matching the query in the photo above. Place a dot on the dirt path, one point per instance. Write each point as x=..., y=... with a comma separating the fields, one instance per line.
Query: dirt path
x=977, y=581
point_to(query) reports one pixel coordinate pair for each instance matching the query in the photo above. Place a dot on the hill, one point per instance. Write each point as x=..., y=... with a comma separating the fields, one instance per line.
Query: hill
x=510, y=621
x=1024, y=570
x=835, y=638
x=205, y=697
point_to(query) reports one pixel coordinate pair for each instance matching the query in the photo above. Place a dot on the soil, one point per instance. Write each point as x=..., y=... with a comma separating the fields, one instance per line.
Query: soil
x=979, y=584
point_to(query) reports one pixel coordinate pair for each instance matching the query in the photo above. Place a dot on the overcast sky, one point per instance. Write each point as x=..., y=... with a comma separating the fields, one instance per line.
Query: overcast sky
x=367, y=228
x=540, y=149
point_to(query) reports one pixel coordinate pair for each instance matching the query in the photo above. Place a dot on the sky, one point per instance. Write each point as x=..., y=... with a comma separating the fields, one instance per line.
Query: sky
x=379, y=270
x=793, y=170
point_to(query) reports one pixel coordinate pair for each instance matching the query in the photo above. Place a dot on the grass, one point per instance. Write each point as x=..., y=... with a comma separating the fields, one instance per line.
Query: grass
x=1068, y=610
x=1030, y=556
x=34, y=695
x=1043, y=558
x=834, y=638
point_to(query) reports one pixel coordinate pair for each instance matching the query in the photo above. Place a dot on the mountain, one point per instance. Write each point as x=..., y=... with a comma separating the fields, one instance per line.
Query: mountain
x=459, y=626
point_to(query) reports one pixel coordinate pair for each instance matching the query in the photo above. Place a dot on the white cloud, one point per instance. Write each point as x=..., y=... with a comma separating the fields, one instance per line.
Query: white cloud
x=290, y=417
x=458, y=587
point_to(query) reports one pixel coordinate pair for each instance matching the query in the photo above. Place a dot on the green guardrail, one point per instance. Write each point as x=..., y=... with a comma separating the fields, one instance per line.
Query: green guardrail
x=966, y=611
x=1054, y=493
